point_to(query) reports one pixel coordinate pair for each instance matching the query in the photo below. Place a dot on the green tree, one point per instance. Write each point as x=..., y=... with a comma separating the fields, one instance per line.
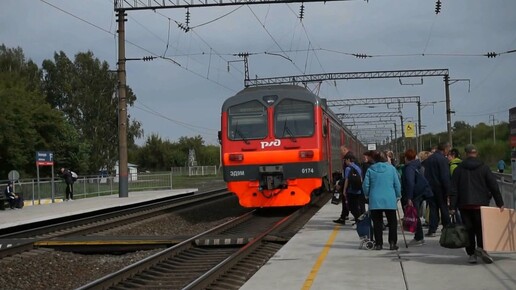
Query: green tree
x=84, y=90
x=27, y=123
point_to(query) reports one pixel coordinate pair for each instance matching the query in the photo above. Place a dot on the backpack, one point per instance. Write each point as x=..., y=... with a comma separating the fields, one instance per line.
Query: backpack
x=74, y=176
x=354, y=179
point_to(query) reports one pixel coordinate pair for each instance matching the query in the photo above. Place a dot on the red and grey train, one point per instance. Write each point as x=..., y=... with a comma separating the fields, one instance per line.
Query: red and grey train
x=280, y=145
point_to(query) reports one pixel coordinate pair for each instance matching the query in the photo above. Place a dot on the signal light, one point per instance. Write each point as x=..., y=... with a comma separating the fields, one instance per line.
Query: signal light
x=236, y=157
x=438, y=7
x=306, y=154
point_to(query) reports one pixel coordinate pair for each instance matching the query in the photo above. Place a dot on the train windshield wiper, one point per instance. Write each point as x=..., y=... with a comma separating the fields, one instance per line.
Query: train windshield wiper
x=287, y=129
x=241, y=134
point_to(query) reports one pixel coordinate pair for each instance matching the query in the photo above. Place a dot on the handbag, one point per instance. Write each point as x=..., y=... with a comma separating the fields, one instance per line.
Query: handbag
x=410, y=219
x=336, y=198
x=454, y=236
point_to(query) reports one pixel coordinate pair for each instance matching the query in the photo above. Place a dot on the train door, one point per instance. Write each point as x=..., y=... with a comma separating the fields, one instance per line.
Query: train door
x=326, y=130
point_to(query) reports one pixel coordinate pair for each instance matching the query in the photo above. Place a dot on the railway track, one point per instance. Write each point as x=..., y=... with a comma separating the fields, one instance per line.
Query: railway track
x=221, y=258
x=23, y=238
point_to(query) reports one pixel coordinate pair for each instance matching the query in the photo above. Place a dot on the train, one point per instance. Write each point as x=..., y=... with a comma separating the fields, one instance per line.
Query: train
x=280, y=145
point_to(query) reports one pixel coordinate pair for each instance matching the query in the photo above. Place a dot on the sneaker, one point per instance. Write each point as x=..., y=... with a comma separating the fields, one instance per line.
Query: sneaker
x=340, y=221
x=346, y=218
x=415, y=242
x=472, y=259
x=393, y=247
x=429, y=234
x=483, y=255
x=354, y=226
x=378, y=247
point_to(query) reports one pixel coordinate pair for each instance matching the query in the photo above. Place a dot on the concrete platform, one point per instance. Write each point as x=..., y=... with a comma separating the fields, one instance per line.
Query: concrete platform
x=325, y=255
x=35, y=213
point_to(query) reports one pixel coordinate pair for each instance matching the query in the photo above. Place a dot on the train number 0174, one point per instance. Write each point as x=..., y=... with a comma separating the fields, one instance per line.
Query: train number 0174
x=307, y=170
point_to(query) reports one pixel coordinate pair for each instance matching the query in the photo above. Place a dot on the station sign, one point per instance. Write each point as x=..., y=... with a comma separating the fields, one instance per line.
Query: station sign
x=371, y=146
x=410, y=130
x=45, y=158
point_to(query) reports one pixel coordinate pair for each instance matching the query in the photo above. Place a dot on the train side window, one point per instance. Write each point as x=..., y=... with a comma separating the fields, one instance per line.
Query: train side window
x=247, y=121
x=293, y=118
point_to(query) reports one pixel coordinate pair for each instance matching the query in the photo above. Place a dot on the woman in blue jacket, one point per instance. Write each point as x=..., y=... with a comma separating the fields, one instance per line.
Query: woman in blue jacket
x=383, y=190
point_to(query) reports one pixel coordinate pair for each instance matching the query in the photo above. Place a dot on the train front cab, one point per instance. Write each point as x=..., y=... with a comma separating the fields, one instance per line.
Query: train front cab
x=273, y=151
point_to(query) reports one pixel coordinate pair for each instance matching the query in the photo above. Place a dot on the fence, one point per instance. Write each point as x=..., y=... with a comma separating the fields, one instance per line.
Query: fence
x=90, y=186
x=195, y=170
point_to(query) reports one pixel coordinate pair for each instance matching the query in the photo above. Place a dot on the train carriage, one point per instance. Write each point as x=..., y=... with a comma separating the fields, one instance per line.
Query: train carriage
x=280, y=145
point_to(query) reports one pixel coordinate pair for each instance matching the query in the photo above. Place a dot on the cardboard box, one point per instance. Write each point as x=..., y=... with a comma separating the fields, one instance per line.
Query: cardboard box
x=498, y=229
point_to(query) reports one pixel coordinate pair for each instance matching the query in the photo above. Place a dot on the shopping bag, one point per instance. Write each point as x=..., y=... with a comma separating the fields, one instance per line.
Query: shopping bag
x=454, y=236
x=410, y=219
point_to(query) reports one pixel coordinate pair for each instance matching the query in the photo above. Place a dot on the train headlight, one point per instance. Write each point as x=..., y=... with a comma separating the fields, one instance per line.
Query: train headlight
x=236, y=157
x=306, y=154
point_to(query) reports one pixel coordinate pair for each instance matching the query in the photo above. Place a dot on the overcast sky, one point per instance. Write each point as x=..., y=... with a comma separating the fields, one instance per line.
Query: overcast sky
x=175, y=101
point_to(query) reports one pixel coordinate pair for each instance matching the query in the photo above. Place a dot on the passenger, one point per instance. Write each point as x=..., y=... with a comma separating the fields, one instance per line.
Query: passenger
x=353, y=188
x=66, y=174
x=454, y=159
x=390, y=157
x=437, y=172
x=501, y=166
x=340, y=187
x=423, y=156
x=473, y=184
x=382, y=188
x=367, y=161
x=413, y=196
x=14, y=199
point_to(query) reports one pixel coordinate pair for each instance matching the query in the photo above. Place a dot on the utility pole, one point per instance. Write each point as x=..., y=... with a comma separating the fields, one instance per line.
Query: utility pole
x=448, y=108
x=122, y=109
x=492, y=119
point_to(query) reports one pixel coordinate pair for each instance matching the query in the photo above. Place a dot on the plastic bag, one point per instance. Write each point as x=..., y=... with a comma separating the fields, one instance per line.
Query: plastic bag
x=410, y=219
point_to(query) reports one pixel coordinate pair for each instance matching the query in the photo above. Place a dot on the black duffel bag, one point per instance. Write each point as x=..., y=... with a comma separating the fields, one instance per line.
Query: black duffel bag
x=454, y=236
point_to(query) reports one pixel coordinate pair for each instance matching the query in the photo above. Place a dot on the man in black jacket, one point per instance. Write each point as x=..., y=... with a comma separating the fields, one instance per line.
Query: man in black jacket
x=68, y=179
x=437, y=172
x=473, y=185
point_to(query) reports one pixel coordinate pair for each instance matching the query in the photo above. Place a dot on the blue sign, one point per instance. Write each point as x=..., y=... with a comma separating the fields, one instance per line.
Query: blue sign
x=44, y=158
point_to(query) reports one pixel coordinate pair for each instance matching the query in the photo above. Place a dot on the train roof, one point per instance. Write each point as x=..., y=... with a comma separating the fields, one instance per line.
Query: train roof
x=285, y=91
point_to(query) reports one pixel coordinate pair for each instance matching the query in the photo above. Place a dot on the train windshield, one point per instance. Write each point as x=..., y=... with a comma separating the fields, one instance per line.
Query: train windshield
x=293, y=118
x=247, y=121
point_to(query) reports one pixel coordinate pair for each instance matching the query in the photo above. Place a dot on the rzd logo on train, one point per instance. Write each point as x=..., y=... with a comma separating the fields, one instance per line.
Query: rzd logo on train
x=275, y=143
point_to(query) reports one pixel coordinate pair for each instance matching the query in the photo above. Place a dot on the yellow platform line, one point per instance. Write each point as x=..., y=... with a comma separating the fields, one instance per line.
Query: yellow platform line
x=315, y=269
